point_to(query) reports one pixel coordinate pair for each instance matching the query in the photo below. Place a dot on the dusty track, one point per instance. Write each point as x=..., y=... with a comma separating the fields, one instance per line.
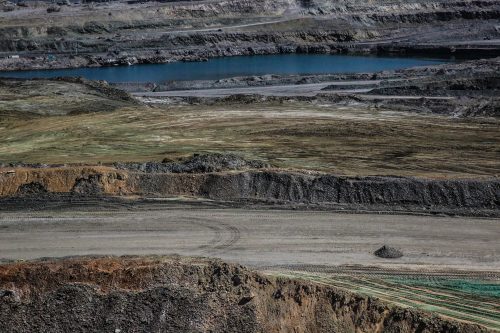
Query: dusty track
x=258, y=238
x=327, y=248
x=284, y=90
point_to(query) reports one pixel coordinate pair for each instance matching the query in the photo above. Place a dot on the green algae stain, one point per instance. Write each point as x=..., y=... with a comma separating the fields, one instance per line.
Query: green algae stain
x=463, y=286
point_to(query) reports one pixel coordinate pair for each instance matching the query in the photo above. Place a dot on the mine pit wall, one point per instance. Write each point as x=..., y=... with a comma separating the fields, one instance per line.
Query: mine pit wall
x=302, y=188
x=143, y=295
x=201, y=46
x=364, y=23
x=268, y=186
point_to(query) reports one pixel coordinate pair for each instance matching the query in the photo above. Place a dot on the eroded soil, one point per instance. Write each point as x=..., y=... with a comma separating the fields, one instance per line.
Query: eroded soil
x=188, y=295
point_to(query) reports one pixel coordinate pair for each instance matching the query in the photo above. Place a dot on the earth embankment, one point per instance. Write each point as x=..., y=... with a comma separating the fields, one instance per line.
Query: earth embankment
x=188, y=295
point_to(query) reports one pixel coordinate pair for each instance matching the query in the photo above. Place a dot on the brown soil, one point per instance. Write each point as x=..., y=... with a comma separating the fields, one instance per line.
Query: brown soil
x=62, y=179
x=137, y=294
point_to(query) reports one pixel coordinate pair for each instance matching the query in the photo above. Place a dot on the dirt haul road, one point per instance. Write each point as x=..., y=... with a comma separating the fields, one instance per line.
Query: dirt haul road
x=257, y=238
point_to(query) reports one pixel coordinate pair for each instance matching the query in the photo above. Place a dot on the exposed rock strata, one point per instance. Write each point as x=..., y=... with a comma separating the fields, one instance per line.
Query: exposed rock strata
x=298, y=187
x=267, y=185
x=130, y=34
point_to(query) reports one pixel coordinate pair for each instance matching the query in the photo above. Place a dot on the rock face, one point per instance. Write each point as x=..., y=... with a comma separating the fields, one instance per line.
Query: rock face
x=278, y=186
x=161, y=32
x=231, y=178
x=137, y=294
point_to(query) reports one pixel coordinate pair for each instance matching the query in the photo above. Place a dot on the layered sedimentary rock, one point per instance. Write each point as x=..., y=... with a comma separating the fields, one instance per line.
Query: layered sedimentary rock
x=163, y=32
x=236, y=182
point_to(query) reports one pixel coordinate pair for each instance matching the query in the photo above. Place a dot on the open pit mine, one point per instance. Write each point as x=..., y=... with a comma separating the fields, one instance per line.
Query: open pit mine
x=250, y=166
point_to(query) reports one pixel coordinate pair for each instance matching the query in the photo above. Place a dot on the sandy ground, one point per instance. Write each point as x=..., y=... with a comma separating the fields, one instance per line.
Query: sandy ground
x=290, y=90
x=257, y=238
x=352, y=139
x=310, y=89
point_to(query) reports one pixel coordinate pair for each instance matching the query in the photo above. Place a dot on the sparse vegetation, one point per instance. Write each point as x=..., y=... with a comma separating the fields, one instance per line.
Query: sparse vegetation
x=350, y=140
x=430, y=135
x=470, y=300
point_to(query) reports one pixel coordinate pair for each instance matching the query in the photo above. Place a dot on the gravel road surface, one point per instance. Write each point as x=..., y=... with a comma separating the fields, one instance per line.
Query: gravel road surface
x=257, y=238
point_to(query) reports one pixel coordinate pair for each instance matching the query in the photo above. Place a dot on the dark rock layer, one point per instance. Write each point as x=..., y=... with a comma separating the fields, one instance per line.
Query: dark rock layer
x=323, y=188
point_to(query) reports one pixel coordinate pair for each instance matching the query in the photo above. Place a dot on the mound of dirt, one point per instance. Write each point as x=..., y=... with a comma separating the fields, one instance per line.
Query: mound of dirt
x=158, y=294
x=31, y=189
x=88, y=186
x=198, y=163
x=388, y=252
x=60, y=96
x=101, y=87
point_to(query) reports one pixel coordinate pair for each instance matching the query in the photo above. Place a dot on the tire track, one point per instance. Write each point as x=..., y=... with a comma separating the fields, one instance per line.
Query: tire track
x=225, y=235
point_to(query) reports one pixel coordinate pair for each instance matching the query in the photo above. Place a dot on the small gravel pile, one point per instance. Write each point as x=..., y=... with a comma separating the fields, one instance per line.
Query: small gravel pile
x=31, y=189
x=388, y=252
x=198, y=163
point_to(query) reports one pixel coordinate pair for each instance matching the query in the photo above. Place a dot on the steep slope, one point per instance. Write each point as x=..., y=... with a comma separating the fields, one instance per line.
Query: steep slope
x=137, y=294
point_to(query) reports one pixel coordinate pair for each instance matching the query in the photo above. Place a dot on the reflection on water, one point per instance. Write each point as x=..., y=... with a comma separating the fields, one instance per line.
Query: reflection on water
x=218, y=68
